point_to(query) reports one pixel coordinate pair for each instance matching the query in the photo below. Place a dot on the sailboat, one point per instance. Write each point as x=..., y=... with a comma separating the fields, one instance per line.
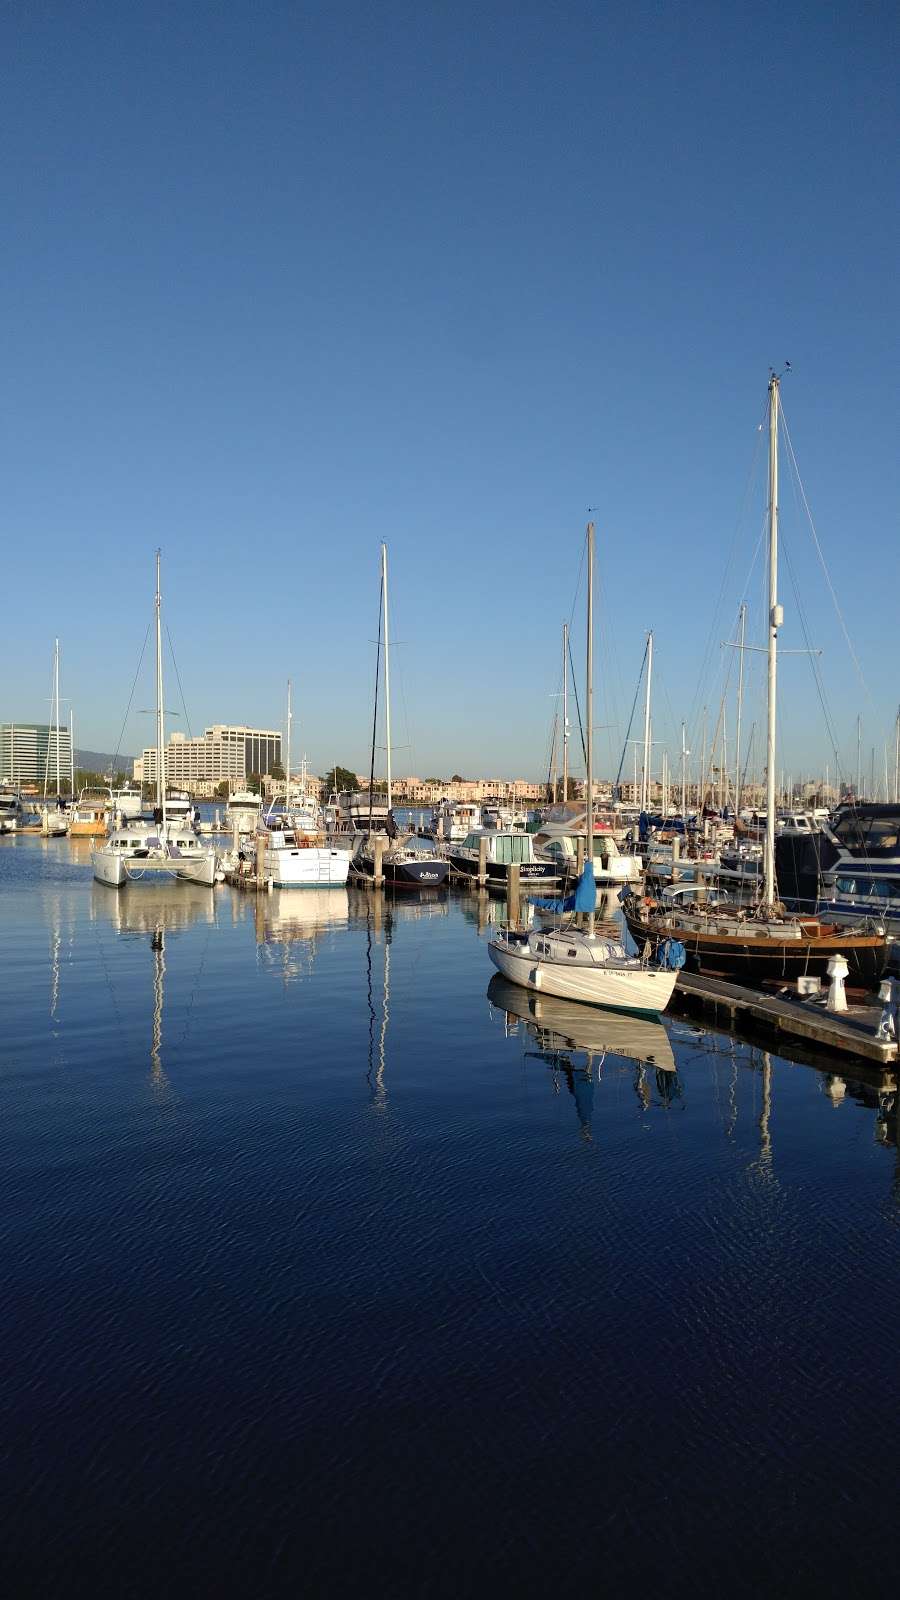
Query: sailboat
x=577, y=963
x=403, y=864
x=54, y=820
x=761, y=943
x=137, y=849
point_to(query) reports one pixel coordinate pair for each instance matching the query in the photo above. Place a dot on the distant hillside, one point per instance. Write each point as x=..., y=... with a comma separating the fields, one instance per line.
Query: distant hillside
x=98, y=761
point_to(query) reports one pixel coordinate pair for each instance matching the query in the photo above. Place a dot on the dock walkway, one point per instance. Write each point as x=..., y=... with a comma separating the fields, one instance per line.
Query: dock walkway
x=852, y=1032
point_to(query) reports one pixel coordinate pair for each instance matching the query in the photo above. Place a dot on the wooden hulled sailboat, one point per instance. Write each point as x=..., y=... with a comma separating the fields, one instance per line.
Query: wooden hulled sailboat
x=763, y=943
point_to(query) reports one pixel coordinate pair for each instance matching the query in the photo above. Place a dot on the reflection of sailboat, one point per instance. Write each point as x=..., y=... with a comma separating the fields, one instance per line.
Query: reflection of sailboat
x=161, y=905
x=567, y=1025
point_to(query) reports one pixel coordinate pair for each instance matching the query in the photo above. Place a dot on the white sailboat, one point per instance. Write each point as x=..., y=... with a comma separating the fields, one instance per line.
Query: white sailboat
x=145, y=850
x=575, y=963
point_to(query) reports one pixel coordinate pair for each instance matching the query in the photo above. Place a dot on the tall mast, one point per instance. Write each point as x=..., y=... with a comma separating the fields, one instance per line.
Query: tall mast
x=683, y=778
x=589, y=714
x=645, y=780
x=897, y=761
x=702, y=795
x=387, y=670
x=160, y=756
x=71, y=753
x=56, y=696
x=287, y=767
x=858, y=755
x=776, y=616
x=565, y=793
x=740, y=707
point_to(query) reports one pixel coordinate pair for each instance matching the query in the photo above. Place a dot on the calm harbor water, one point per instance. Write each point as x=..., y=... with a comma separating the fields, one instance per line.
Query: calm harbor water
x=326, y=1268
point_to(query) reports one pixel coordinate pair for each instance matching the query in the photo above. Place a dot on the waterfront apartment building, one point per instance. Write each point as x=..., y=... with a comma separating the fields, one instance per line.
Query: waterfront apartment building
x=24, y=748
x=223, y=753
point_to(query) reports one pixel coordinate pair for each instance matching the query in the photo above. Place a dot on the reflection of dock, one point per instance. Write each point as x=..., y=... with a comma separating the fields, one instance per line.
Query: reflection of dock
x=851, y=1033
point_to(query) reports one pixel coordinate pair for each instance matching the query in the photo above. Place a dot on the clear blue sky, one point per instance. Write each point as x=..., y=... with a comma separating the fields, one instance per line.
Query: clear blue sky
x=282, y=280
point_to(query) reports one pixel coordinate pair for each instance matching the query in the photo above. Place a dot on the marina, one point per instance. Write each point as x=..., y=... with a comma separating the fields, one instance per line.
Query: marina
x=339, y=1172
x=449, y=802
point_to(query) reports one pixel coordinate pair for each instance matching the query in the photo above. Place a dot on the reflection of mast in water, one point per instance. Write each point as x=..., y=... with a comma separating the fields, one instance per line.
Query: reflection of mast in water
x=375, y=1074
x=55, y=942
x=159, y=972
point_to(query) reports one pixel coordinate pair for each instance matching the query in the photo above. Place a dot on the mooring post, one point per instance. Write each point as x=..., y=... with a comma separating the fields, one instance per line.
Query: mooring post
x=235, y=836
x=579, y=856
x=482, y=861
x=513, y=892
x=378, y=852
x=260, y=860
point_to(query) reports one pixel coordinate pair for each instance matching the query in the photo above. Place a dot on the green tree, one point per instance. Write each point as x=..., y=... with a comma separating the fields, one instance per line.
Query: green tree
x=277, y=771
x=222, y=789
x=254, y=782
x=339, y=778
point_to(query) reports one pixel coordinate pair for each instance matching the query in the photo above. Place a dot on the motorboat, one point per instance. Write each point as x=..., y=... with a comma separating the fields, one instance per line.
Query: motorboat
x=11, y=811
x=563, y=828
x=126, y=803
x=454, y=819
x=298, y=857
x=847, y=870
x=91, y=813
x=242, y=811
x=505, y=847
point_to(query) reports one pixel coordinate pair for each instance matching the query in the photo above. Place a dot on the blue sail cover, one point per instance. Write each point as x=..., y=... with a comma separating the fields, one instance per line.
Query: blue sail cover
x=582, y=898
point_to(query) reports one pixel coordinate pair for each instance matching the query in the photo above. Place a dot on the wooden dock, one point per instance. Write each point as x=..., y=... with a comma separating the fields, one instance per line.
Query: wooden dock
x=853, y=1032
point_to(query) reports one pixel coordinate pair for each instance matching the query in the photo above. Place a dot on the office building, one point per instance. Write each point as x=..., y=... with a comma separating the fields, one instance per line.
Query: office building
x=223, y=753
x=24, y=748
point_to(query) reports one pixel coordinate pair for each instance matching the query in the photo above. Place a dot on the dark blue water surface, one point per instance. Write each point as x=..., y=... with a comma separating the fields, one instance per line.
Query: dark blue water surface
x=323, y=1274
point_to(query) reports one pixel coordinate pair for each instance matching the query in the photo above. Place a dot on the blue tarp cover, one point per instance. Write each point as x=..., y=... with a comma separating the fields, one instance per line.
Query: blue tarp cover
x=582, y=898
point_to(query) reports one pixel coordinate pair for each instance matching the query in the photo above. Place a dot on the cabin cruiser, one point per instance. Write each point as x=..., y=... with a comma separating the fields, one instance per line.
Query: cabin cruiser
x=242, y=810
x=126, y=803
x=406, y=863
x=847, y=870
x=297, y=856
x=91, y=814
x=11, y=812
x=505, y=847
x=564, y=826
x=454, y=819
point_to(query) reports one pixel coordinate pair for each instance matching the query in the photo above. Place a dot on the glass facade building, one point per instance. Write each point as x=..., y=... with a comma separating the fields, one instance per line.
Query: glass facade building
x=24, y=750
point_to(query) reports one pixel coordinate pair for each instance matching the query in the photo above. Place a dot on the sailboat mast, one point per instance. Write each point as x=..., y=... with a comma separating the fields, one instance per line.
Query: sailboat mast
x=160, y=758
x=56, y=698
x=71, y=753
x=287, y=754
x=740, y=707
x=589, y=716
x=897, y=761
x=776, y=616
x=645, y=780
x=565, y=711
x=387, y=671
x=683, y=778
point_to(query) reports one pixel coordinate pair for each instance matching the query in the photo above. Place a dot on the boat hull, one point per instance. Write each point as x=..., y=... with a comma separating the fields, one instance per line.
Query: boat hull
x=769, y=960
x=427, y=874
x=310, y=867
x=116, y=868
x=544, y=873
x=645, y=992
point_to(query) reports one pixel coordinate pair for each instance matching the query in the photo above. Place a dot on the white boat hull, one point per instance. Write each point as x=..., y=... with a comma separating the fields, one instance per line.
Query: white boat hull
x=307, y=867
x=115, y=868
x=622, y=988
